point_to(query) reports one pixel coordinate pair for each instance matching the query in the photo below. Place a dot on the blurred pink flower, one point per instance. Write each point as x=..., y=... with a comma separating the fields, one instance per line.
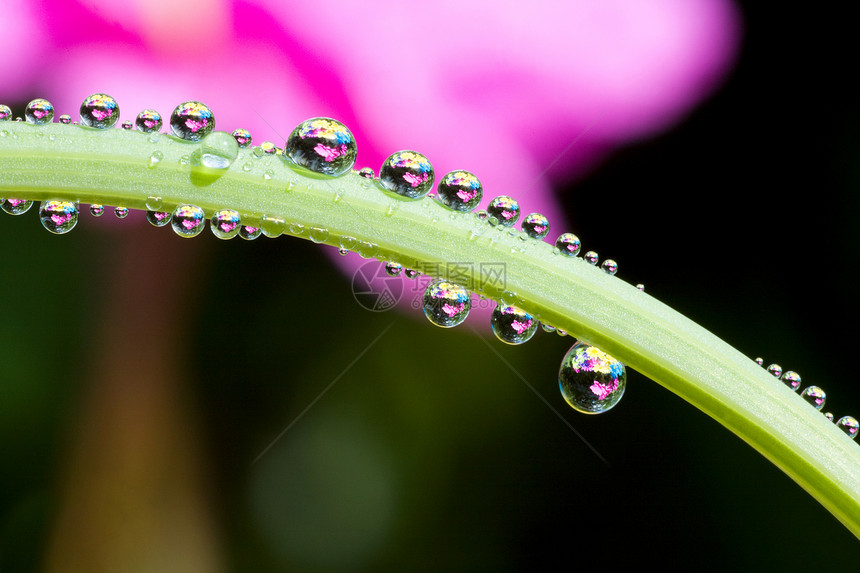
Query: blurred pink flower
x=516, y=93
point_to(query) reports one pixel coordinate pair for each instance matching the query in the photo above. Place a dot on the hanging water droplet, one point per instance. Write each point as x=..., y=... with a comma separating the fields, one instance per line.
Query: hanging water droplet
x=609, y=266
x=250, y=233
x=225, y=224
x=272, y=226
x=536, y=226
x=393, y=269
x=366, y=172
x=158, y=218
x=568, y=244
x=127, y=125
x=815, y=396
x=547, y=327
x=318, y=235
x=5, y=113
x=512, y=325
x=791, y=379
x=242, y=137
x=446, y=304
x=148, y=121
x=155, y=158
x=849, y=425
x=219, y=150
x=410, y=273
x=65, y=119
x=460, y=191
x=348, y=243
x=322, y=145
x=16, y=206
x=97, y=210
x=366, y=250
x=120, y=212
x=188, y=221
x=39, y=111
x=297, y=229
x=590, y=380
x=100, y=111
x=505, y=210
x=192, y=121
x=58, y=216
x=560, y=332
x=343, y=252
x=408, y=174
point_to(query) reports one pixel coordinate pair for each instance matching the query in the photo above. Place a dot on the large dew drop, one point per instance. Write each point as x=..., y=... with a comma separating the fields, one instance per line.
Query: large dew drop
x=100, y=111
x=148, y=121
x=568, y=244
x=322, y=145
x=512, y=325
x=188, y=221
x=158, y=218
x=849, y=425
x=39, y=111
x=536, y=226
x=192, y=121
x=815, y=396
x=225, y=224
x=5, y=113
x=590, y=380
x=58, y=216
x=505, y=210
x=408, y=174
x=446, y=304
x=460, y=191
x=219, y=150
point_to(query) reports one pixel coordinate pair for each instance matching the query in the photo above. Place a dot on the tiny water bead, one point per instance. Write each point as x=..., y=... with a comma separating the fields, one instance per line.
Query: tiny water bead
x=829, y=416
x=322, y=145
x=460, y=191
x=590, y=380
x=790, y=378
x=158, y=218
x=155, y=158
x=568, y=244
x=505, y=210
x=815, y=396
x=16, y=206
x=446, y=304
x=127, y=125
x=100, y=111
x=590, y=257
x=97, y=210
x=39, y=111
x=148, y=121
x=393, y=269
x=58, y=216
x=192, y=121
x=512, y=325
x=366, y=172
x=120, y=212
x=65, y=119
x=188, y=221
x=242, y=137
x=225, y=224
x=535, y=226
x=408, y=174
x=219, y=150
x=609, y=266
x=5, y=113
x=410, y=273
x=250, y=233
x=849, y=425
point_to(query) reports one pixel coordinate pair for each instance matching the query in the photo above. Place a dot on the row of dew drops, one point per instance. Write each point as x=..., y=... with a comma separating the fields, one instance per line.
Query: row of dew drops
x=590, y=380
x=813, y=395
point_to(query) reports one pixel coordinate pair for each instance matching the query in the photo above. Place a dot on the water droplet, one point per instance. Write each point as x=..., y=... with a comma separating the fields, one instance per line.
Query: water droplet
x=322, y=145
x=155, y=158
x=590, y=380
x=58, y=216
x=5, y=113
x=790, y=378
x=366, y=250
x=219, y=150
x=16, y=206
x=192, y=121
x=343, y=252
x=268, y=174
x=268, y=148
x=481, y=215
x=536, y=226
x=547, y=327
x=815, y=396
x=100, y=111
x=318, y=235
x=242, y=136
x=158, y=218
x=247, y=167
x=849, y=425
x=39, y=111
x=225, y=224
x=590, y=257
x=272, y=226
x=250, y=233
x=348, y=243
x=560, y=332
x=188, y=221
x=297, y=229
x=366, y=172
x=759, y=361
x=775, y=370
x=505, y=209
x=829, y=415
x=65, y=119
x=148, y=121
x=127, y=125
x=120, y=212
x=446, y=304
x=408, y=174
x=393, y=269
x=97, y=210
x=609, y=266
x=154, y=203
x=460, y=191
x=410, y=273
x=513, y=325
x=641, y=287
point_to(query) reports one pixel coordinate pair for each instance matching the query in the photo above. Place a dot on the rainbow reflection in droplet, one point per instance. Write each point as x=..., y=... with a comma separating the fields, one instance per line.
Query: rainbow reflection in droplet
x=459, y=190
x=408, y=174
x=322, y=145
x=446, y=304
x=590, y=380
x=512, y=325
